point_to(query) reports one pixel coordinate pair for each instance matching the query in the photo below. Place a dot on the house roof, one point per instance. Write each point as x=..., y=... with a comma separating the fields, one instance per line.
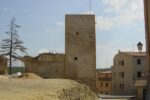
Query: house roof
x=140, y=83
x=136, y=53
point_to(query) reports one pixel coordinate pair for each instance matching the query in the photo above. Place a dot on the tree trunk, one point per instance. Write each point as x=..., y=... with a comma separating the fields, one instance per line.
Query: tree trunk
x=10, y=55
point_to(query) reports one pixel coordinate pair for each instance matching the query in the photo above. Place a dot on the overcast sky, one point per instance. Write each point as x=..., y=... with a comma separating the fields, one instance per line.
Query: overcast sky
x=119, y=24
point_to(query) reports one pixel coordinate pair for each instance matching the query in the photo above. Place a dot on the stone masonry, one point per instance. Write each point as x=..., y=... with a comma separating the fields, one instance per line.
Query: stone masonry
x=3, y=65
x=46, y=65
x=80, y=49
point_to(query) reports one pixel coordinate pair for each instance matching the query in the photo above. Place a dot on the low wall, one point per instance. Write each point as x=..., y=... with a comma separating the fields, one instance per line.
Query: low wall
x=3, y=65
x=44, y=67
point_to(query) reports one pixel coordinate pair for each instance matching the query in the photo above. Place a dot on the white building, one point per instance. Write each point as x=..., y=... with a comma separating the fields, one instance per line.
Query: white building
x=127, y=68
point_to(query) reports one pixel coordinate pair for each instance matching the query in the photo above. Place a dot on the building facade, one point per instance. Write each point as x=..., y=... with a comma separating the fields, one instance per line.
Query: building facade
x=3, y=65
x=46, y=65
x=80, y=49
x=104, y=82
x=127, y=68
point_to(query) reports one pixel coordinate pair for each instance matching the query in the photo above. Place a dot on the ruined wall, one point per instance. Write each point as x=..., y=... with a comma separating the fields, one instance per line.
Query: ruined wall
x=46, y=65
x=80, y=49
x=3, y=65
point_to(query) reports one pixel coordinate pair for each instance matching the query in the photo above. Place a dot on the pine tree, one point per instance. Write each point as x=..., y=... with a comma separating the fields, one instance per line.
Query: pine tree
x=12, y=46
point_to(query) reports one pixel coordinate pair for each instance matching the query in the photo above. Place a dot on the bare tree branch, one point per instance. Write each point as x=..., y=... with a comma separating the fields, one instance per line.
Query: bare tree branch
x=10, y=46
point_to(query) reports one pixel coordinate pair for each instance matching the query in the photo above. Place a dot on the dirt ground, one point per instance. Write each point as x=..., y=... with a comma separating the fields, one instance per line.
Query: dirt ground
x=44, y=89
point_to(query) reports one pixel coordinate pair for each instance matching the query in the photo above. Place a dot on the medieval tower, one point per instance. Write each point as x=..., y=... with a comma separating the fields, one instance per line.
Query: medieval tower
x=80, y=49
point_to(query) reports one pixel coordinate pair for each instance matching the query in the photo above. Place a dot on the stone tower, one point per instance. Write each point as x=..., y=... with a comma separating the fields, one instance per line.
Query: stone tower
x=80, y=49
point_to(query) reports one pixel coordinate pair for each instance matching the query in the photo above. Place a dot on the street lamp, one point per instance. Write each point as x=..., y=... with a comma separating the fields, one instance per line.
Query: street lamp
x=139, y=46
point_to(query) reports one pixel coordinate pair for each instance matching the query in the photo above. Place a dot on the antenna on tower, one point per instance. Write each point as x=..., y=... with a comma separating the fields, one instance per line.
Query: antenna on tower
x=90, y=6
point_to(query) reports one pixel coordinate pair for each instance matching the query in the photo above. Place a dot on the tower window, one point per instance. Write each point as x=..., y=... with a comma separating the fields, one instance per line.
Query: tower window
x=75, y=58
x=77, y=33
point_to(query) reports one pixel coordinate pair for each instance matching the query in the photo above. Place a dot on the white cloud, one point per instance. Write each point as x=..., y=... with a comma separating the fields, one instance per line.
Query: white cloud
x=115, y=4
x=126, y=12
x=60, y=23
x=104, y=23
x=56, y=50
x=6, y=9
x=43, y=51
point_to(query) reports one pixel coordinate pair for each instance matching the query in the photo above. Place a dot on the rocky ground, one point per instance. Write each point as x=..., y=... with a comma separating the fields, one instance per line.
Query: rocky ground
x=44, y=89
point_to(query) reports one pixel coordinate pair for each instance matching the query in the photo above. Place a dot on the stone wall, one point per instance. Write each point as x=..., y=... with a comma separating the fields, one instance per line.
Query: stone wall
x=80, y=49
x=45, y=65
x=3, y=65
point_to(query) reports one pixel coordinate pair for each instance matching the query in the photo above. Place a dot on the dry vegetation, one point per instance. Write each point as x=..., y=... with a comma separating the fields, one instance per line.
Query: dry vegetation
x=44, y=89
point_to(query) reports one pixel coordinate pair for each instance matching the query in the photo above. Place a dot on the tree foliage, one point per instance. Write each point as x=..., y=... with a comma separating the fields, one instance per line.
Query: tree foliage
x=12, y=46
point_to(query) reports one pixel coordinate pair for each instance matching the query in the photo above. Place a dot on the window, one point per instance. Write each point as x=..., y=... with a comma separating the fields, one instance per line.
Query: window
x=121, y=86
x=75, y=58
x=122, y=74
x=122, y=63
x=139, y=74
x=138, y=61
x=77, y=33
x=106, y=84
x=101, y=84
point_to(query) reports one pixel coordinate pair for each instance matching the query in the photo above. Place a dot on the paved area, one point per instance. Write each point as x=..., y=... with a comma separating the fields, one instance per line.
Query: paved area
x=115, y=97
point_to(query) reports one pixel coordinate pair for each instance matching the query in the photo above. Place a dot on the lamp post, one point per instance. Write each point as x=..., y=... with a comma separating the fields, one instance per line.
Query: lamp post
x=139, y=46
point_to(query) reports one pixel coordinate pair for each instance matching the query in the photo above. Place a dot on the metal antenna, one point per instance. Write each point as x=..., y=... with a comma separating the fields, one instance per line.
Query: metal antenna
x=138, y=8
x=90, y=6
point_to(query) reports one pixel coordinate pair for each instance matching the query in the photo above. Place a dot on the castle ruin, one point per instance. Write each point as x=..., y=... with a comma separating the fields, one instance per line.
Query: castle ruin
x=78, y=62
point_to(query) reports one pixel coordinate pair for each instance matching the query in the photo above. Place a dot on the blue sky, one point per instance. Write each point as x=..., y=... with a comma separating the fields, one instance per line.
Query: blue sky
x=119, y=24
